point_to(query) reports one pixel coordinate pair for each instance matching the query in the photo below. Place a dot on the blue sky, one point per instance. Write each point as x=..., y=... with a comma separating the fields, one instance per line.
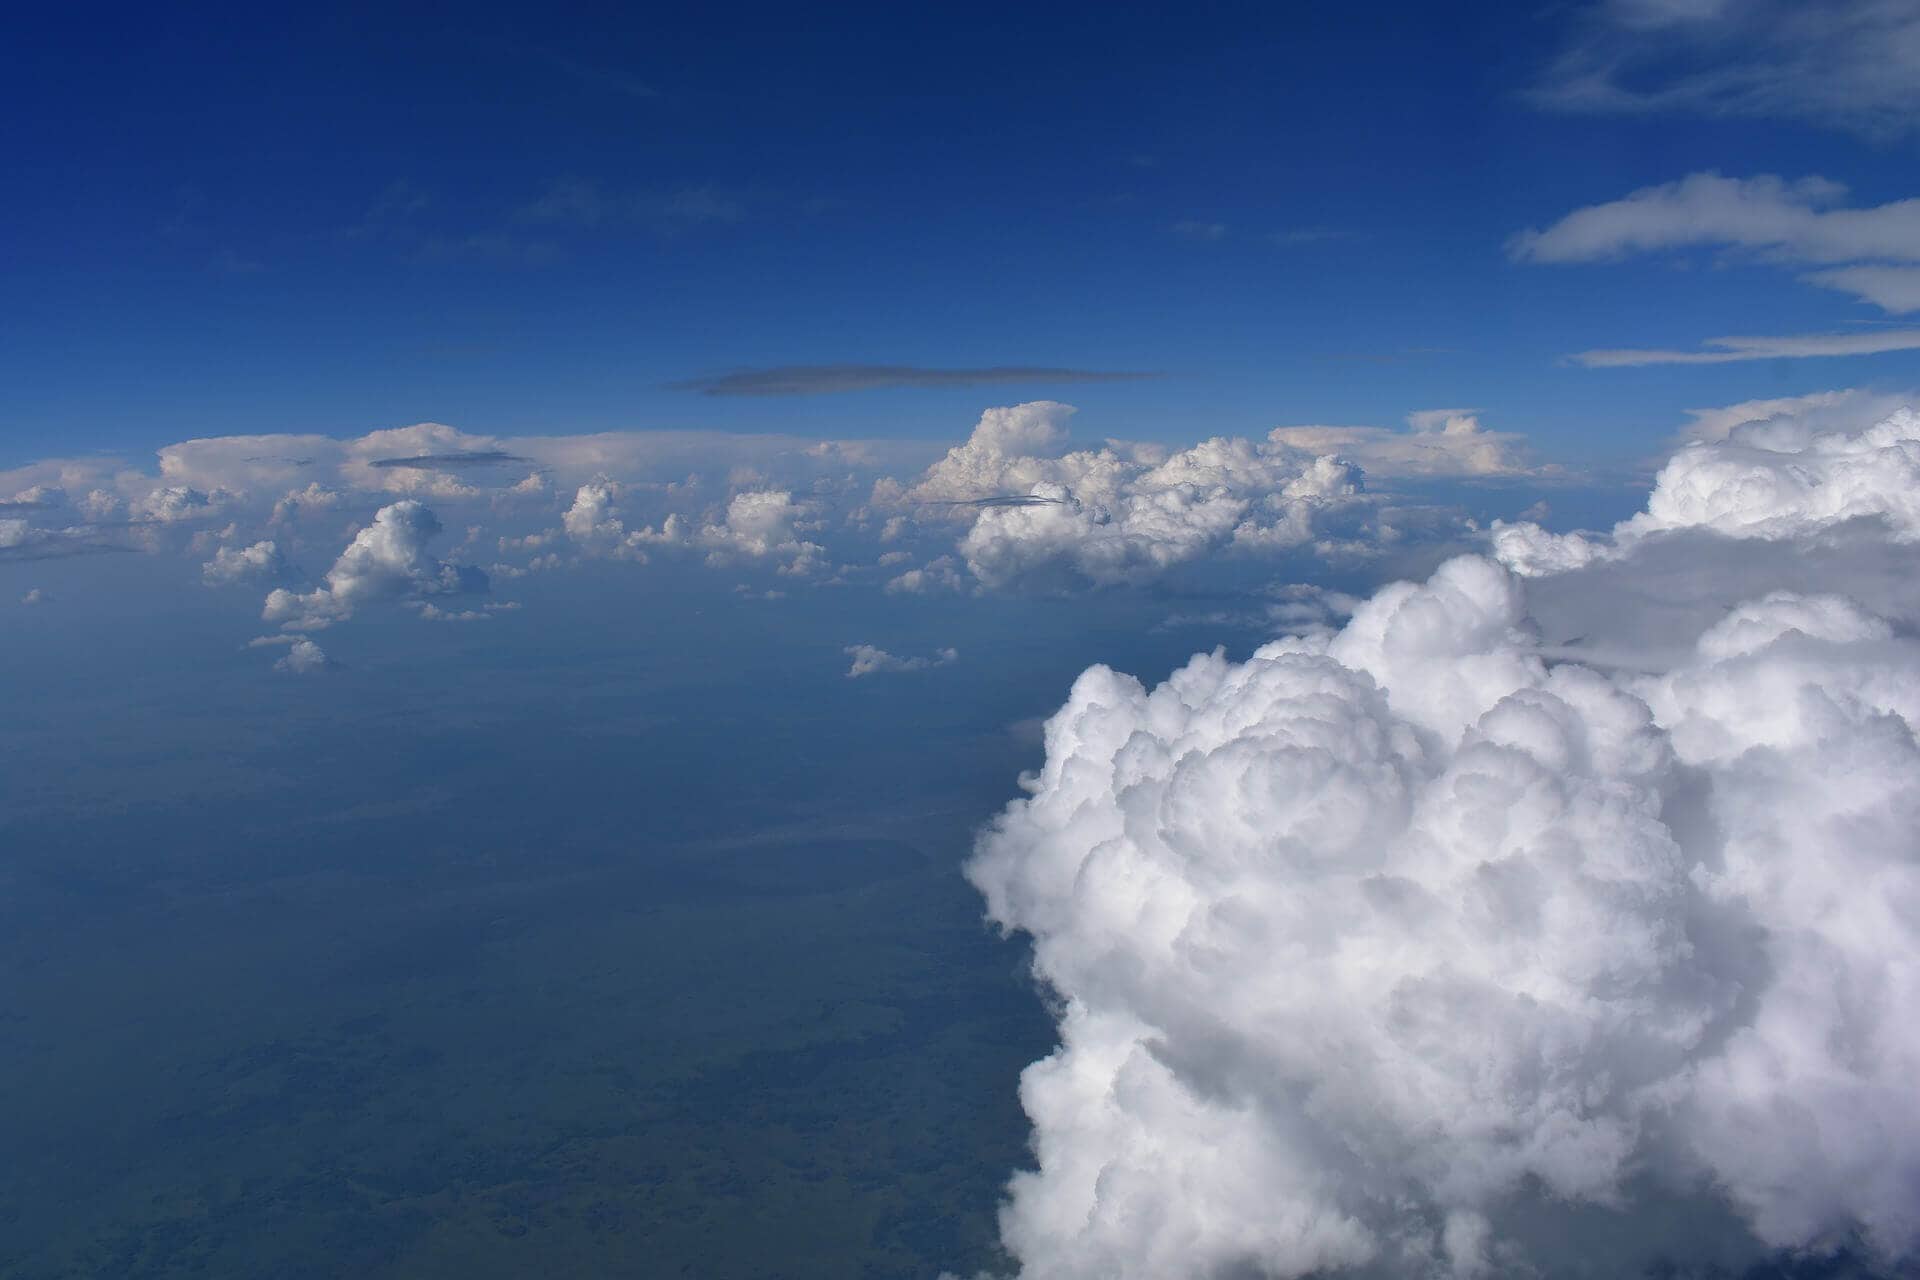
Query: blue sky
x=537, y=220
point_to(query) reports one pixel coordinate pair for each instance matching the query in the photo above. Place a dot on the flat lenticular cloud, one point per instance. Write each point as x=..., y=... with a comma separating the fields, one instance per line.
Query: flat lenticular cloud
x=830, y=379
x=1382, y=948
x=1733, y=350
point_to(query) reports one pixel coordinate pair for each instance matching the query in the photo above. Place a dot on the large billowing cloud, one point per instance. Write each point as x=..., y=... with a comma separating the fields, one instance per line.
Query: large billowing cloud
x=1382, y=949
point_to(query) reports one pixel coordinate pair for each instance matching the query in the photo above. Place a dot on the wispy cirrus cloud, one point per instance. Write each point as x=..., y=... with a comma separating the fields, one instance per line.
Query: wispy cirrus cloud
x=609, y=80
x=829, y=379
x=1849, y=64
x=1199, y=229
x=1731, y=350
x=581, y=202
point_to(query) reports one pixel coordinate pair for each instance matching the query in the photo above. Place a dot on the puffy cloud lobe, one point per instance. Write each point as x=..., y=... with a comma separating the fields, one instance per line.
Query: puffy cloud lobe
x=303, y=657
x=386, y=560
x=173, y=503
x=591, y=515
x=1372, y=939
x=1776, y=479
x=760, y=524
x=259, y=562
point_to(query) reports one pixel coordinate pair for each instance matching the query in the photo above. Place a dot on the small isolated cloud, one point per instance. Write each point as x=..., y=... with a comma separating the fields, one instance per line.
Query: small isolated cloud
x=303, y=657
x=1732, y=350
x=1852, y=64
x=1196, y=229
x=386, y=560
x=261, y=562
x=830, y=379
x=583, y=204
x=602, y=79
x=1308, y=235
x=35, y=596
x=869, y=660
x=1863, y=251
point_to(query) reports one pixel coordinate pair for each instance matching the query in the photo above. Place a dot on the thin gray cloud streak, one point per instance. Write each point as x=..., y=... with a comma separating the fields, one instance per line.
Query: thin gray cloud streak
x=833, y=379
x=1730, y=350
x=1002, y=500
x=432, y=461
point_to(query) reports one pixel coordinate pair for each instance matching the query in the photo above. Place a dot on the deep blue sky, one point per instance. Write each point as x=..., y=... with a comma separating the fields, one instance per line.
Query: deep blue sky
x=534, y=218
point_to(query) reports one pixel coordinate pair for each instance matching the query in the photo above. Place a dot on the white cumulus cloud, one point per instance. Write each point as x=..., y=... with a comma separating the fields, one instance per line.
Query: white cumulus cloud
x=386, y=560
x=303, y=657
x=1042, y=514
